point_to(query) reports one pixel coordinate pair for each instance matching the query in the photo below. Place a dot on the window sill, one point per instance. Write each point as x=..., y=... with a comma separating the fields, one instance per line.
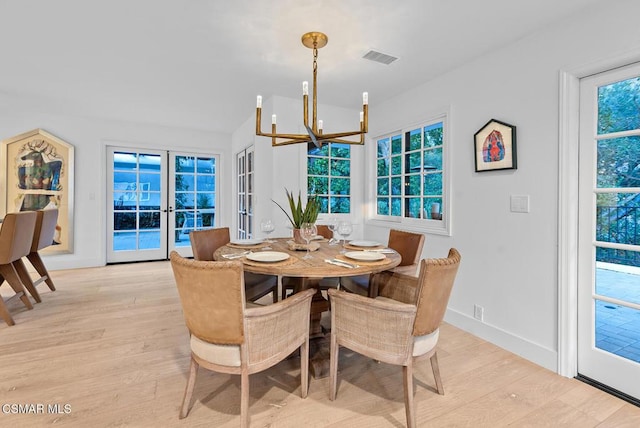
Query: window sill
x=434, y=227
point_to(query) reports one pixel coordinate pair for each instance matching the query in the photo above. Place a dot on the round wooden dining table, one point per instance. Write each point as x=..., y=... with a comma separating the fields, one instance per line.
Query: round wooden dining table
x=283, y=258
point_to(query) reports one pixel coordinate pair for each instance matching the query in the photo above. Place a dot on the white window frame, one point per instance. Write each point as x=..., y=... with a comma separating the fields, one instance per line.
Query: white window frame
x=438, y=227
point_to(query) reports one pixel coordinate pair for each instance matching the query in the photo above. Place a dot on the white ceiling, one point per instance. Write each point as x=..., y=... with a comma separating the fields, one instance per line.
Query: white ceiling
x=200, y=63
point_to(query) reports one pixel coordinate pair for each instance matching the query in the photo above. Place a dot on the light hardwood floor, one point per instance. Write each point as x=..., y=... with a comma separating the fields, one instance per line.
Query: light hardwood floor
x=111, y=344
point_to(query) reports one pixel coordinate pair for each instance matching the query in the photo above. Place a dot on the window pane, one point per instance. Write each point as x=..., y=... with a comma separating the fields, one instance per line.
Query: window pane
x=340, y=150
x=149, y=240
x=125, y=161
x=185, y=201
x=206, y=218
x=340, y=205
x=383, y=148
x=428, y=209
x=185, y=182
x=412, y=185
x=206, y=183
x=433, y=159
x=383, y=206
x=206, y=166
x=149, y=162
x=396, y=186
x=383, y=167
x=396, y=144
x=149, y=182
x=618, y=106
x=324, y=204
x=206, y=200
x=318, y=186
x=414, y=140
x=312, y=150
x=340, y=186
x=396, y=165
x=396, y=206
x=433, y=135
x=618, y=221
x=619, y=162
x=124, y=221
x=413, y=162
x=383, y=186
x=340, y=168
x=433, y=184
x=150, y=220
x=412, y=208
x=318, y=166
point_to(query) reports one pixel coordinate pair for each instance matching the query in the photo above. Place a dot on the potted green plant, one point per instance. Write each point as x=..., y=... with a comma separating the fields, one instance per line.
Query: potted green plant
x=299, y=213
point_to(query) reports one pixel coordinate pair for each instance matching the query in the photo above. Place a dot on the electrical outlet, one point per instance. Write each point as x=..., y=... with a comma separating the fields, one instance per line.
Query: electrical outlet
x=478, y=312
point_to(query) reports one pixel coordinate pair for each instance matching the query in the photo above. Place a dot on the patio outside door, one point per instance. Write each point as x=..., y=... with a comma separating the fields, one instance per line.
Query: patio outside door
x=155, y=199
x=609, y=230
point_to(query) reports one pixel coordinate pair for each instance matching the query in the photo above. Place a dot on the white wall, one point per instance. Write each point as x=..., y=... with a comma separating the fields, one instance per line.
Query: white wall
x=89, y=138
x=509, y=260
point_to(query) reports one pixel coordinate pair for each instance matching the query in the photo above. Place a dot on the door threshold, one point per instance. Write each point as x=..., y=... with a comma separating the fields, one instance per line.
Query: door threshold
x=621, y=395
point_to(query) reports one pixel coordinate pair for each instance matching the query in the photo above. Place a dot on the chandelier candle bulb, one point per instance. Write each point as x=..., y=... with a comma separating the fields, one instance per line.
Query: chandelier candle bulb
x=361, y=116
x=365, y=98
x=305, y=88
x=259, y=102
x=320, y=123
x=273, y=119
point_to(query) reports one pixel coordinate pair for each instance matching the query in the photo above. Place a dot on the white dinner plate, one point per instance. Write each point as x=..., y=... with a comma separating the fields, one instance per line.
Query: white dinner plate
x=364, y=256
x=364, y=243
x=268, y=256
x=247, y=241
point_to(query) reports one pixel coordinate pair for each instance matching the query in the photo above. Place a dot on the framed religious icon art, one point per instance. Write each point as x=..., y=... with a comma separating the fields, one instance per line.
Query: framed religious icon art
x=38, y=174
x=495, y=146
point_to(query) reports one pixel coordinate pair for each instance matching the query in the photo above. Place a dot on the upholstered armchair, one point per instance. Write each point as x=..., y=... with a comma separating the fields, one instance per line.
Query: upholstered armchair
x=205, y=242
x=227, y=337
x=409, y=245
x=400, y=327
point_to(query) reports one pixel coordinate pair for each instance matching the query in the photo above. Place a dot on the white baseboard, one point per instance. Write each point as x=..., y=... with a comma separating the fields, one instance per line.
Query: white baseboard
x=533, y=352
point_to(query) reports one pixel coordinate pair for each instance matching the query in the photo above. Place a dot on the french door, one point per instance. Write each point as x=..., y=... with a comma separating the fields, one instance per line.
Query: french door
x=155, y=199
x=245, y=166
x=609, y=230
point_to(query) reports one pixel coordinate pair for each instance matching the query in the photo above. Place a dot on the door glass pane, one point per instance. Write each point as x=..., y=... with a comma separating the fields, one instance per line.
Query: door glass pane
x=617, y=330
x=124, y=241
x=618, y=106
x=149, y=240
x=619, y=162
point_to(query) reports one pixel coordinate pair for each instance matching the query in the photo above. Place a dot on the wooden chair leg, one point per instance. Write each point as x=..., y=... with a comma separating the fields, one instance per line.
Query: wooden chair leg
x=436, y=373
x=304, y=368
x=4, y=313
x=10, y=275
x=244, y=398
x=333, y=367
x=21, y=269
x=38, y=264
x=188, y=391
x=407, y=372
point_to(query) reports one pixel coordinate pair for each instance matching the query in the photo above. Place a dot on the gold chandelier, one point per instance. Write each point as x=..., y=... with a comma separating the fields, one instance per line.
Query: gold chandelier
x=313, y=40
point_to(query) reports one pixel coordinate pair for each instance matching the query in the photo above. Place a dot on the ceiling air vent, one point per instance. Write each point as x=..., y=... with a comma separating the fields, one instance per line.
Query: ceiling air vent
x=379, y=57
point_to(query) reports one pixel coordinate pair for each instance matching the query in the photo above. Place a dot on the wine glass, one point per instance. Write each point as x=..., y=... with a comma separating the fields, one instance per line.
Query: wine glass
x=308, y=231
x=267, y=226
x=344, y=229
x=333, y=227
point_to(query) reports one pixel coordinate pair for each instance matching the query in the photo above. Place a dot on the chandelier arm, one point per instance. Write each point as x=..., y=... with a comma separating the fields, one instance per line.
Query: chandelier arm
x=314, y=124
x=341, y=141
x=340, y=135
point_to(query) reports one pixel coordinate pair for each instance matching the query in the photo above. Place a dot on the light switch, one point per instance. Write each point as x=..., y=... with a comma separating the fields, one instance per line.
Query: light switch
x=519, y=203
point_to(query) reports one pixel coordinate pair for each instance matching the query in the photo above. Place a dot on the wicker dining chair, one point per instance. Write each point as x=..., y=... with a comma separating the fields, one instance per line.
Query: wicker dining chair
x=228, y=337
x=409, y=245
x=205, y=242
x=399, y=327
x=15, y=241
